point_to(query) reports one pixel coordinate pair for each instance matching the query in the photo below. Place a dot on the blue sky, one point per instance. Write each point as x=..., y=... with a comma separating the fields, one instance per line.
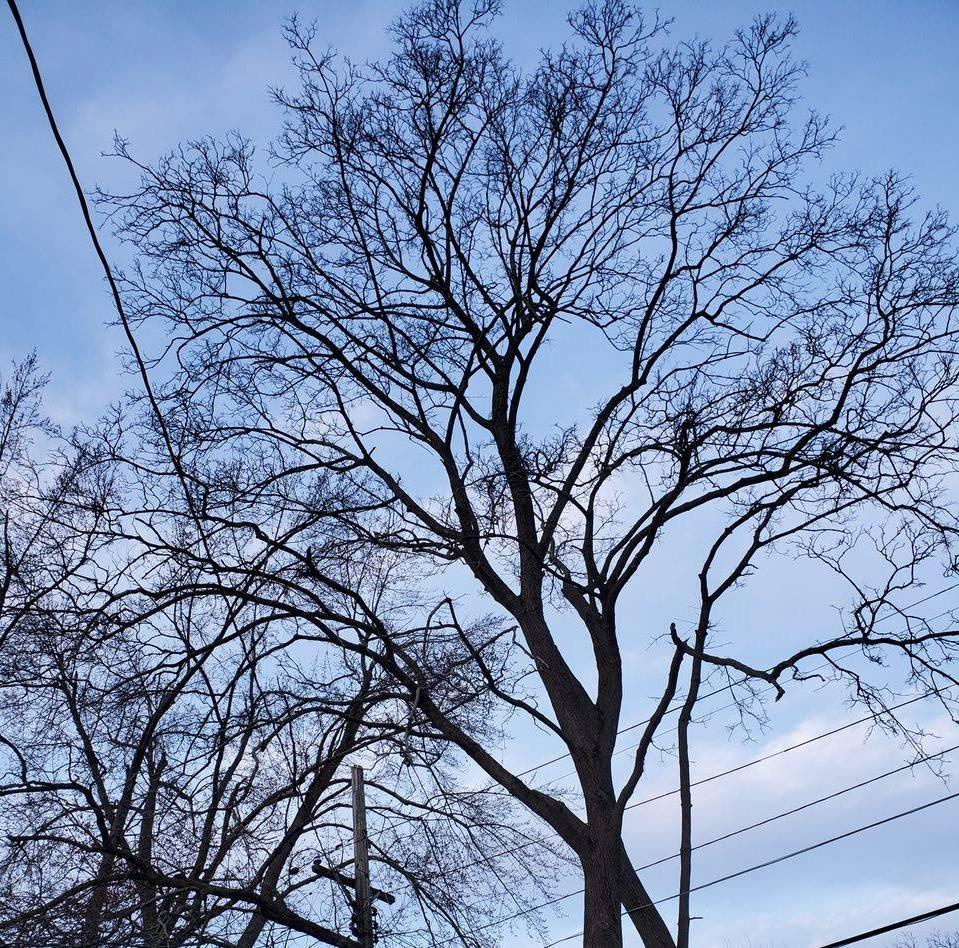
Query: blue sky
x=162, y=71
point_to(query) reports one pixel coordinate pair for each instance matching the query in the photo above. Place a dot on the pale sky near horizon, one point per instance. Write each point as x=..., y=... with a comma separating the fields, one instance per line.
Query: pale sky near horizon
x=161, y=71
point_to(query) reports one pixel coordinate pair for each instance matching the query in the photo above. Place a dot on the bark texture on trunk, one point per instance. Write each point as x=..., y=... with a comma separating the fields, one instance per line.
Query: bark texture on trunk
x=602, y=919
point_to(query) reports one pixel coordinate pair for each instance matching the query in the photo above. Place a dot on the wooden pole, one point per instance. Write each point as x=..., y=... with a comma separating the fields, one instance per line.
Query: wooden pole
x=361, y=858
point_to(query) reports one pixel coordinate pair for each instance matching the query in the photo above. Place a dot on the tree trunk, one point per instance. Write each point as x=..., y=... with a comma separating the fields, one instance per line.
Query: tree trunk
x=602, y=919
x=685, y=790
x=148, y=892
x=93, y=912
x=637, y=904
x=613, y=891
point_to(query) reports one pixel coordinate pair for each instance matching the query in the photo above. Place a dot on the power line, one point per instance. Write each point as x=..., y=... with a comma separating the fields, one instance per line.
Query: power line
x=712, y=777
x=703, y=780
x=737, y=832
x=105, y=266
x=895, y=926
x=732, y=770
x=709, y=779
x=777, y=753
x=733, y=684
x=535, y=842
x=805, y=806
x=778, y=859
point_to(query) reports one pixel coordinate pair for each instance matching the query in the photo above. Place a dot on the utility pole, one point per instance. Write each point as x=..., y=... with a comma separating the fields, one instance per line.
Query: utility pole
x=363, y=912
x=363, y=926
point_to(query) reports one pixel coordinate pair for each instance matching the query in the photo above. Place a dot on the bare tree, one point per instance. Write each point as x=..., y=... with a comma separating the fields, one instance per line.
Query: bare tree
x=378, y=322
x=937, y=939
x=175, y=757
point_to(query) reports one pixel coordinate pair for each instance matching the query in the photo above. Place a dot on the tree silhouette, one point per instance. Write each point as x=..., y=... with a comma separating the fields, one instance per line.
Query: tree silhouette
x=359, y=357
